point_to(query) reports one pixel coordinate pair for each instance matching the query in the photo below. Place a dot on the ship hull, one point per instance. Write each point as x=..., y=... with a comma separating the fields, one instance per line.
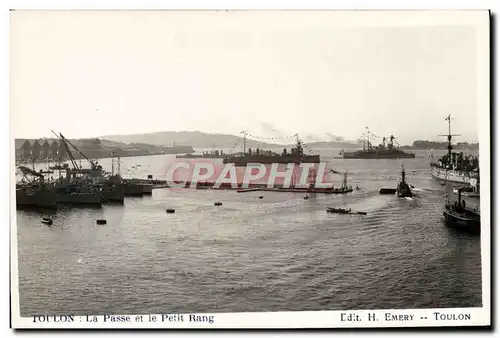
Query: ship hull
x=199, y=156
x=113, y=194
x=452, y=176
x=79, y=198
x=377, y=155
x=38, y=198
x=179, y=150
x=462, y=222
x=133, y=190
x=147, y=189
x=241, y=162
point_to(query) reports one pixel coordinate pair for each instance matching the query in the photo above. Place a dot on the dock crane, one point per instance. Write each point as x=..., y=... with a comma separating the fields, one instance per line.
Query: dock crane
x=68, y=151
x=66, y=142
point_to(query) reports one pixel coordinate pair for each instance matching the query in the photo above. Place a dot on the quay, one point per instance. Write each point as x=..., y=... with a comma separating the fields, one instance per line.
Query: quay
x=240, y=188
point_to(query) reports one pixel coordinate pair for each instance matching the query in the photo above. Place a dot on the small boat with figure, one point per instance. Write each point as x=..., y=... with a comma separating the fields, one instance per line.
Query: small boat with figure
x=344, y=211
x=338, y=210
x=457, y=215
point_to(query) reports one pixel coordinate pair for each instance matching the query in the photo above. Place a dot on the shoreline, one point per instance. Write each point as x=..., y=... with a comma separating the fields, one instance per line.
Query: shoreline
x=95, y=158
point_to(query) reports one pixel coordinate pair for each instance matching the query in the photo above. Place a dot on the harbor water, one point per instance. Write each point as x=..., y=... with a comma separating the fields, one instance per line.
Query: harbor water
x=278, y=253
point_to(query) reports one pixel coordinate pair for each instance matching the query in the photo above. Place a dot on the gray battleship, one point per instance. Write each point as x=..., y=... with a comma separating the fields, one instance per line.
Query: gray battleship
x=382, y=151
x=296, y=155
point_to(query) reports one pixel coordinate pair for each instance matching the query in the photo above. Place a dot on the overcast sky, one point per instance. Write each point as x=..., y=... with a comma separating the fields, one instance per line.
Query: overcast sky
x=271, y=73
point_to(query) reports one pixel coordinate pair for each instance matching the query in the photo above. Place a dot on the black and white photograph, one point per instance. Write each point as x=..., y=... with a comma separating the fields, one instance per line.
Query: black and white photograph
x=249, y=168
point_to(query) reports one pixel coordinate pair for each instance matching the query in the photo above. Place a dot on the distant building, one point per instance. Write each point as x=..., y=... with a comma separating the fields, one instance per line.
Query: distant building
x=56, y=149
x=45, y=149
x=25, y=150
x=36, y=150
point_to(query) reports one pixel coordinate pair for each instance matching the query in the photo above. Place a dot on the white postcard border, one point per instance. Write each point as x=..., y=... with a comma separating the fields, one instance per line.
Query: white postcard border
x=326, y=319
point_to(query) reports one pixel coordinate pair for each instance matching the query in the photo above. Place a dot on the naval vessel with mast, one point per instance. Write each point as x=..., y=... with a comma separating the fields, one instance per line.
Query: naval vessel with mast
x=455, y=167
x=295, y=155
x=385, y=150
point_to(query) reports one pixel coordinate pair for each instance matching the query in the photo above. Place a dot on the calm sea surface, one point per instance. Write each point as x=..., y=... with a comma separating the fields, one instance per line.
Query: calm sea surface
x=277, y=253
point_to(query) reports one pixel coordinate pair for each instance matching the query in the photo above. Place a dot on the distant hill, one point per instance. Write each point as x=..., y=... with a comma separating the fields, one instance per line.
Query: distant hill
x=333, y=144
x=196, y=139
x=427, y=145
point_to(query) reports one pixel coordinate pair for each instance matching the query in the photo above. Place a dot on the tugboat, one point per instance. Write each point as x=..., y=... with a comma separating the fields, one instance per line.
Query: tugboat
x=296, y=155
x=344, y=189
x=459, y=216
x=455, y=167
x=403, y=189
x=382, y=151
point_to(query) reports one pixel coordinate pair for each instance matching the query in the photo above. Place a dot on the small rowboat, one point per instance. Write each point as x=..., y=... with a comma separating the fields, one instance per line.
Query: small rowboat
x=345, y=211
x=46, y=220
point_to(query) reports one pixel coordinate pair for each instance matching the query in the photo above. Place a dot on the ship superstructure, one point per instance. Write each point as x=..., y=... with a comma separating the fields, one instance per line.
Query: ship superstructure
x=295, y=155
x=455, y=167
x=385, y=150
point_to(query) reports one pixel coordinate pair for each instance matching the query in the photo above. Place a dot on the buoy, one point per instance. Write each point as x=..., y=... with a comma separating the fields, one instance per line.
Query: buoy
x=170, y=211
x=218, y=203
x=101, y=221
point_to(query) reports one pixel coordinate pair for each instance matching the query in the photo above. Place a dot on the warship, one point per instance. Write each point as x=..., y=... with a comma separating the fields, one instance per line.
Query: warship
x=296, y=155
x=382, y=151
x=454, y=167
x=35, y=192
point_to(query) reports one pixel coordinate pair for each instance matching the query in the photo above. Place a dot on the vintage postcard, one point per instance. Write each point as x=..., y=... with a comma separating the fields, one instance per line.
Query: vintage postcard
x=250, y=168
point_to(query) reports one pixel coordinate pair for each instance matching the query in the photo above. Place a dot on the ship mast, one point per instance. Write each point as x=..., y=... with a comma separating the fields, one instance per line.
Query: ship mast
x=450, y=147
x=244, y=141
x=367, y=138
